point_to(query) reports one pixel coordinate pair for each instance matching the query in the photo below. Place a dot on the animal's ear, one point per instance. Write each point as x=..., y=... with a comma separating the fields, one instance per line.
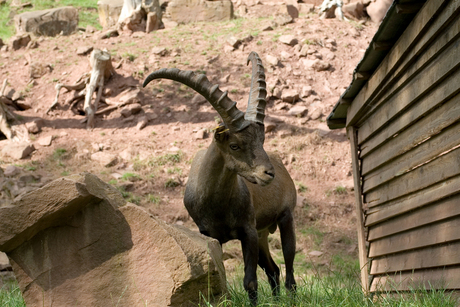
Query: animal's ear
x=221, y=133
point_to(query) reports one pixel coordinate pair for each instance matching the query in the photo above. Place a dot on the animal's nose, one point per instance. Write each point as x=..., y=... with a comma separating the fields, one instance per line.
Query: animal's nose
x=270, y=173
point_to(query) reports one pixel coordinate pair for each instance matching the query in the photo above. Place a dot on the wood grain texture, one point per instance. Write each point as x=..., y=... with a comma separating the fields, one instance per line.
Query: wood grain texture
x=362, y=249
x=433, y=234
x=414, y=39
x=431, y=68
x=436, y=145
x=421, y=198
x=432, y=213
x=442, y=278
x=428, y=126
x=435, y=171
x=431, y=257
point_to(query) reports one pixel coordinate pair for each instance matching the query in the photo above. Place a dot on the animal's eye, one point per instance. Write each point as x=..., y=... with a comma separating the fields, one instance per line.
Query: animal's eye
x=234, y=147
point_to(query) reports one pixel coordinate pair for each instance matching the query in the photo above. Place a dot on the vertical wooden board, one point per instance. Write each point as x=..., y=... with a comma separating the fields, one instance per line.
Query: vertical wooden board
x=362, y=249
x=421, y=198
x=442, y=278
x=415, y=86
x=428, y=126
x=433, y=147
x=402, y=52
x=435, y=171
x=431, y=257
x=432, y=213
x=433, y=234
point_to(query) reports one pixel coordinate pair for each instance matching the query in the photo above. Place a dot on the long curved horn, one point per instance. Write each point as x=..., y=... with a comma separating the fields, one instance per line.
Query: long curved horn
x=256, y=103
x=232, y=117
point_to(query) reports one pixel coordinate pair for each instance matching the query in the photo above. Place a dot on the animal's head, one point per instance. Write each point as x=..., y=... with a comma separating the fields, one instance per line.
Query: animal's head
x=242, y=135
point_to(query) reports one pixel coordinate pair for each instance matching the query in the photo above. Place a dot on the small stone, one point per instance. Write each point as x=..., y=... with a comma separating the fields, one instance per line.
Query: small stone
x=290, y=95
x=283, y=19
x=198, y=99
x=316, y=65
x=142, y=122
x=135, y=108
x=233, y=41
x=301, y=201
x=224, y=79
x=83, y=50
x=126, y=186
x=4, y=262
x=24, y=105
x=151, y=115
x=109, y=34
x=30, y=178
x=90, y=29
x=316, y=253
x=19, y=41
x=269, y=125
x=161, y=51
x=18, y=150
x=316, y=114
x=11, y=170
x=130, y=97
x=126, y=112
x=304, y=51
x=272, y=60
x=307, y=90
x=104, y=158
x=288, y=40
x=32, y=127
x=267, y=28
x=45, y=141
x=116, y=175
x=37, y=70
x=277, y=92
x=285, y=55
x=174, y=149
x=97, y=146
x=200, y=134
x=32, y=45
x=228, y=49
x=348, y=184
x=298, y=111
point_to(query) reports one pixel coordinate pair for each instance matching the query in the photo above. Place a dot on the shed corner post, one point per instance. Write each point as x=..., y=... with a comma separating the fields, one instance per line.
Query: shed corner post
x=363, y=260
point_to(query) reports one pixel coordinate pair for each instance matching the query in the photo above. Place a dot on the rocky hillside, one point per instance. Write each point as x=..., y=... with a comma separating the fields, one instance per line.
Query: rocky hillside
x=145, y=138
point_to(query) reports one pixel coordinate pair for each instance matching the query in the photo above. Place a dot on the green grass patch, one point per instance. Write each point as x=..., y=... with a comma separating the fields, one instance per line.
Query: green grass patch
x=331, y=290
x=130, y=177
x=11, y=296
x=59, y=153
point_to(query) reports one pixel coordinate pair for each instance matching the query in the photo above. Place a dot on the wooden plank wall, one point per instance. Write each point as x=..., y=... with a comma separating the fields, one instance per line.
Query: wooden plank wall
x=409, y=141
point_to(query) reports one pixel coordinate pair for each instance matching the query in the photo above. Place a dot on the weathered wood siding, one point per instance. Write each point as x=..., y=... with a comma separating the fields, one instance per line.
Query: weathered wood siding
x=408, y=130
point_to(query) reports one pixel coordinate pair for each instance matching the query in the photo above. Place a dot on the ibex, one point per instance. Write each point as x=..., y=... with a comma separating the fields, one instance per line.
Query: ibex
x=232, y=191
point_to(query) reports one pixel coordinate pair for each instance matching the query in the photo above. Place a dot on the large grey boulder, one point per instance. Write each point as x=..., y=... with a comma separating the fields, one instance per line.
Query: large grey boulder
x=76, y=242
x=186, y=11
x=109, y=12
x=48, y=22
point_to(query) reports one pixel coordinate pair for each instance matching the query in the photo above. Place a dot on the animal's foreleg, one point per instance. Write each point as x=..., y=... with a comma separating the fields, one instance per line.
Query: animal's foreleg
x=249, y=244
x=286, y=225
x=267, y=264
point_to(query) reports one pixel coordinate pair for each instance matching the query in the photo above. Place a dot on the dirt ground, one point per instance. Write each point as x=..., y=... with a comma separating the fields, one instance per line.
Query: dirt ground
x=153, y=163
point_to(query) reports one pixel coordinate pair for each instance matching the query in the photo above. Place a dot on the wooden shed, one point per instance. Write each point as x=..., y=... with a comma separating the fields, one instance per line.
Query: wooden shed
x=402, y=115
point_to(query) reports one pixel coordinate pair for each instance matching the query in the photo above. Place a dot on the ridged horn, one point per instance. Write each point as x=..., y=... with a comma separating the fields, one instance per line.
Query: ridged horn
x=232, y=117
x=256, y=103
